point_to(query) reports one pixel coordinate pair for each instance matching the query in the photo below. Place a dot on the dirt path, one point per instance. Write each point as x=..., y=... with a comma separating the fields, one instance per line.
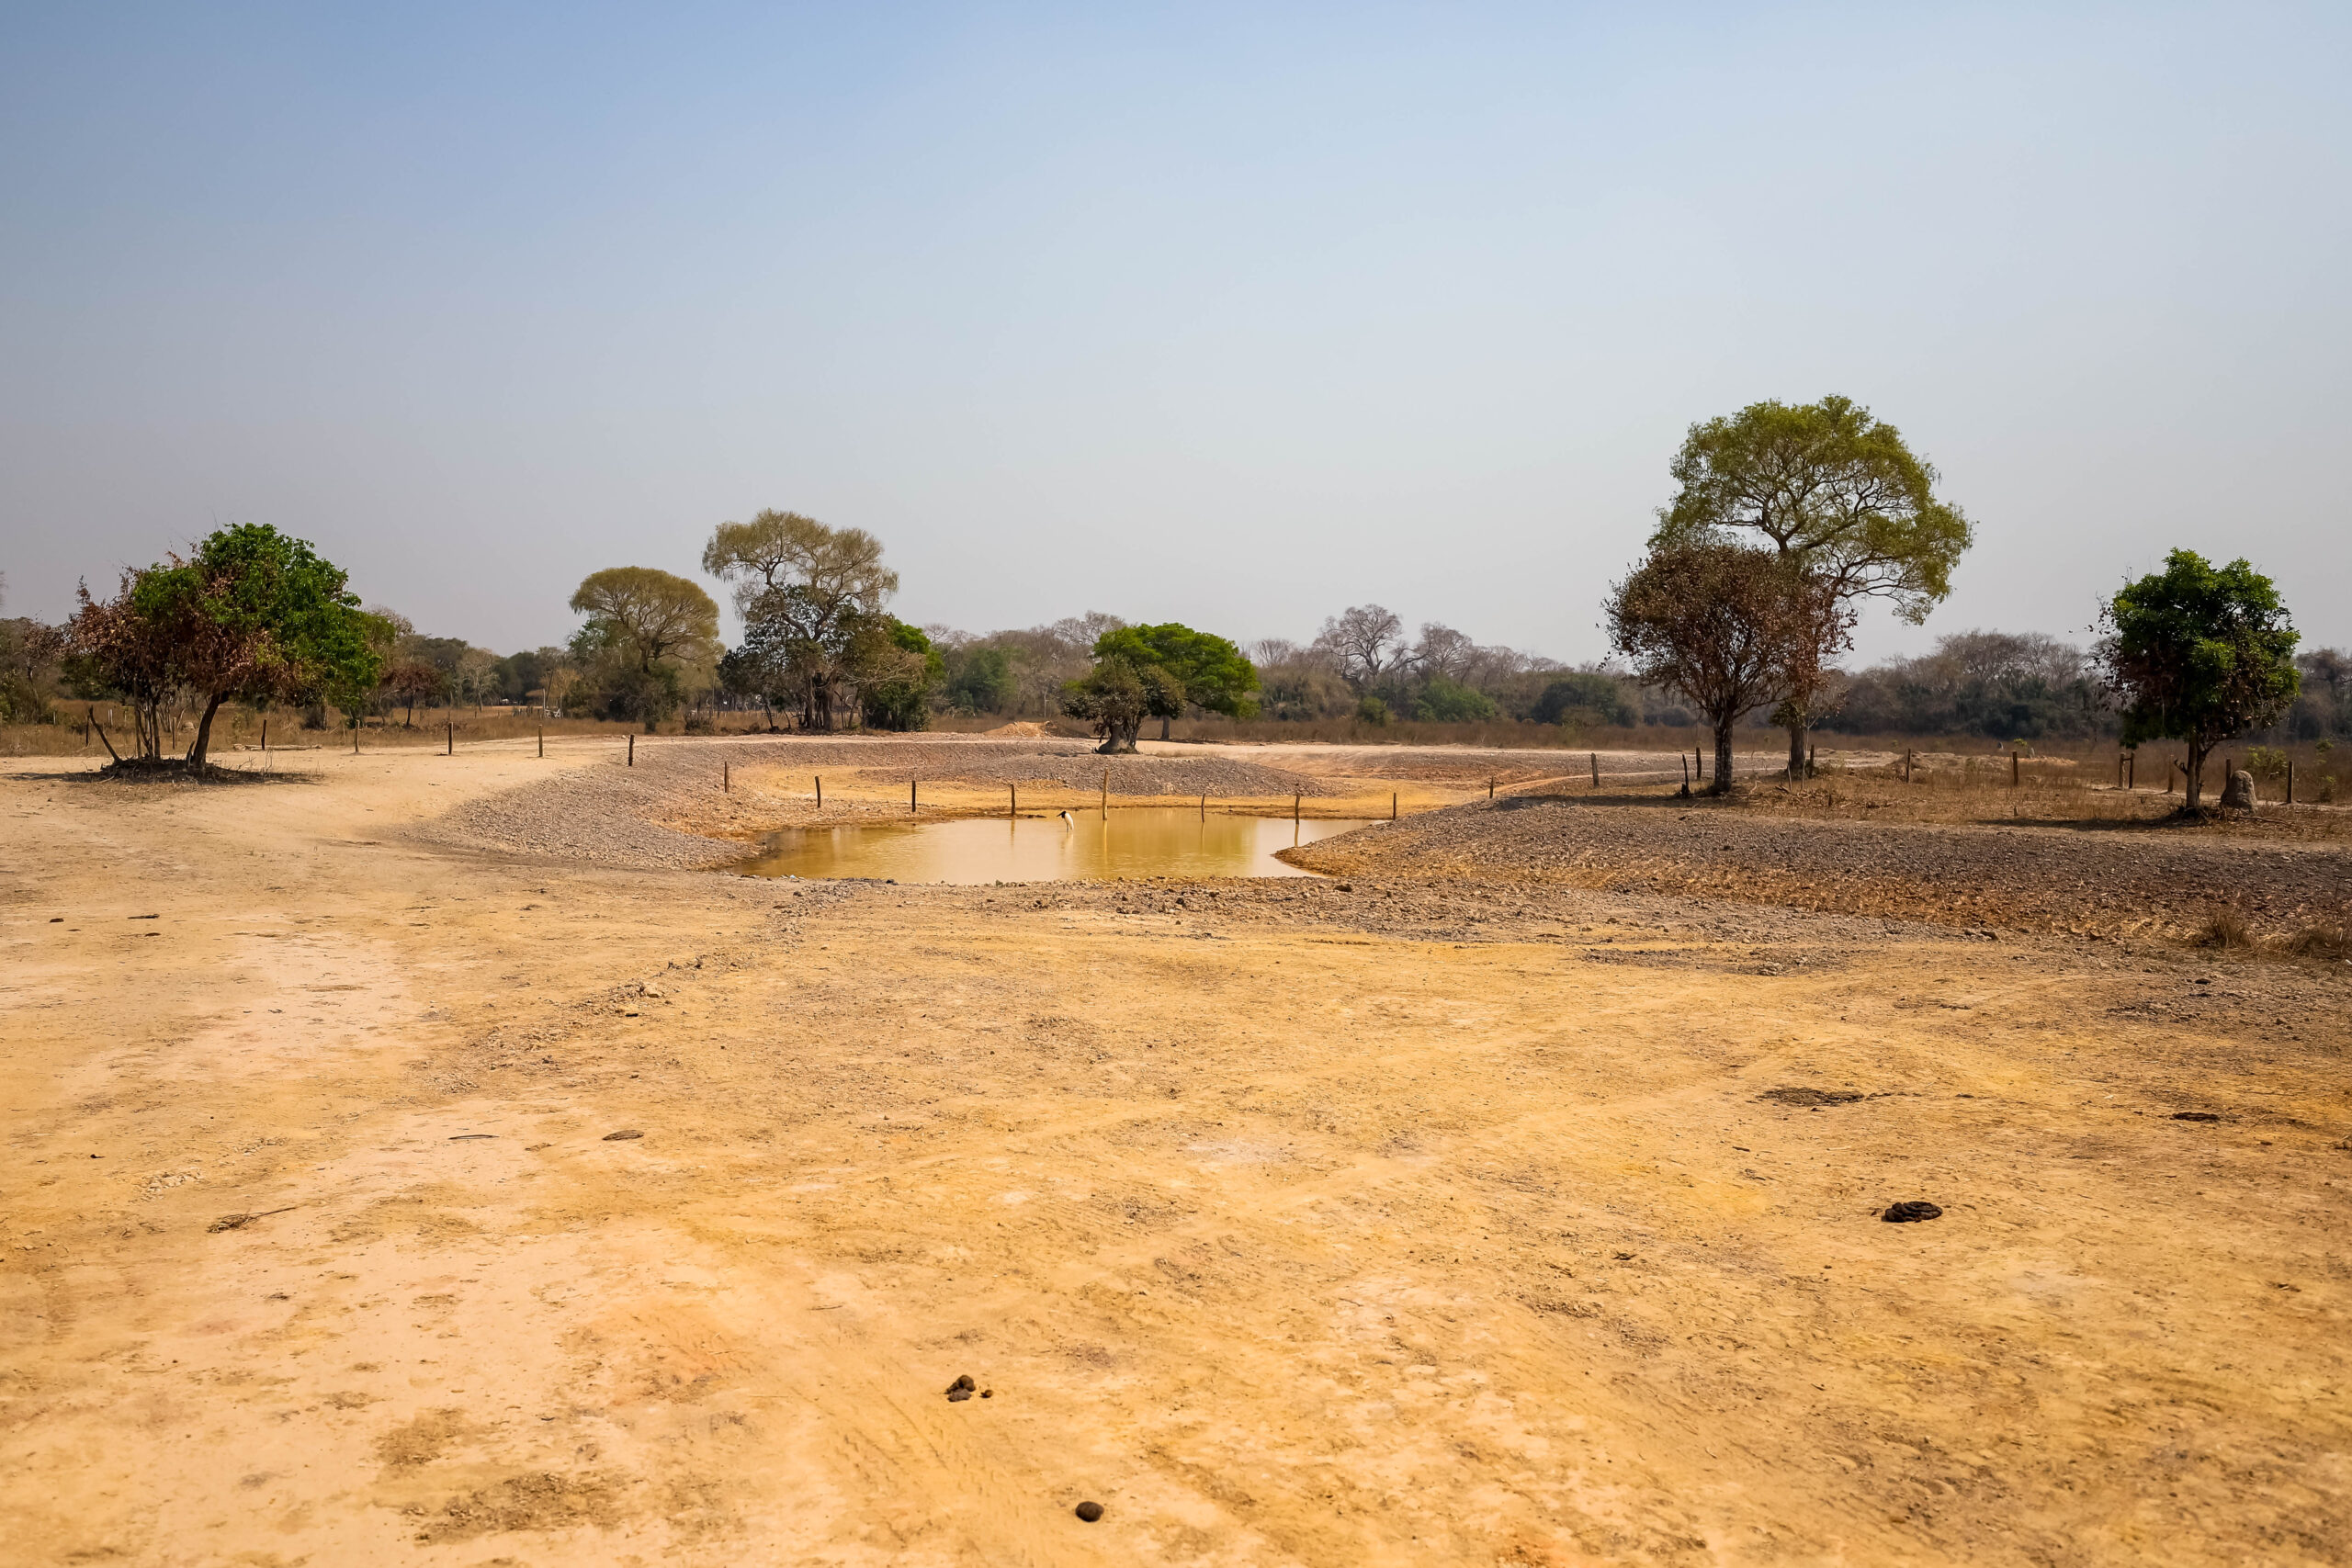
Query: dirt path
x=1421, y=1220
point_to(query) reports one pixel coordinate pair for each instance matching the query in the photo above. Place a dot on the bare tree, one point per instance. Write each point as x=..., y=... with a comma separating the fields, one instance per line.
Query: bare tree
x=1366, y=642
x=1444, y=651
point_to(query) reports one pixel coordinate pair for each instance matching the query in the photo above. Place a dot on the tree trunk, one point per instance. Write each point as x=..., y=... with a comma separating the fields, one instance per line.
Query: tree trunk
x=2193, y=779
x=1163, y=726
x=1723, y=760
x=203, y=733
x=1797, y=735
x=1119, y=736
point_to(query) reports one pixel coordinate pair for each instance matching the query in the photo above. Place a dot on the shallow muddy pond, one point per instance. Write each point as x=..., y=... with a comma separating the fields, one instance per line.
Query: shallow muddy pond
x=1138, y=842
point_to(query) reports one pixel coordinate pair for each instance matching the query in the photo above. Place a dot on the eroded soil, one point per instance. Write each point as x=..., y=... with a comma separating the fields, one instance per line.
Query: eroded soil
x=1430, y=1218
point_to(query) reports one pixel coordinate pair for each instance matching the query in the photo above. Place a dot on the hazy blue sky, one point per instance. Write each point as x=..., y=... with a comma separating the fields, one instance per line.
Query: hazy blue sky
x=1231, y=315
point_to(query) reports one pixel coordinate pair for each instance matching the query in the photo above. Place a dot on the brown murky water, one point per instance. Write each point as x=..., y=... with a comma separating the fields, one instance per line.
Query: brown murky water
x=1136, y=842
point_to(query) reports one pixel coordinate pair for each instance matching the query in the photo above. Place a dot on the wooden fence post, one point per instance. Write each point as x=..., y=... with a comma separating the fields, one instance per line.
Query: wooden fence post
x=2016, y=770
x=1686, y=771
x=450, y=741
x=821, y=790
x=726, y=779
x=910, y=797
x=264, y=737
x=543, y=742
x=2290, y=780
x=1294, y=806
x=1391, y=806
x=1596, y=769
x=1013, y=810
x=354, y=738
x=632, y=748
x=1106, y=795
x=1205, y=805
x=2131, y=768
x=1491, y=787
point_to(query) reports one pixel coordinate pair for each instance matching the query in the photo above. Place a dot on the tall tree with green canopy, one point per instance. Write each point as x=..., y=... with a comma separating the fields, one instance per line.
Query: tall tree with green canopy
x=645, y=623
x=255, y=615
x=2198, y=653
x=651, y=614
x=1117, y=696
x=1834, y=488
x=1207, y=670
x=808, y=589
x=898, y=672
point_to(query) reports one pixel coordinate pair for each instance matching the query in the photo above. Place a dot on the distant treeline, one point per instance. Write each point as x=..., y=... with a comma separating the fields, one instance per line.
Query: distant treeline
x=1365, y=666
x=2031, y=686
x=2000, y=685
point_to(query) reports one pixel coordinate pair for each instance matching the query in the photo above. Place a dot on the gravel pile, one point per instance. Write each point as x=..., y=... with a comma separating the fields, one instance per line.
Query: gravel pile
x=604, y=812
x=2112, y=881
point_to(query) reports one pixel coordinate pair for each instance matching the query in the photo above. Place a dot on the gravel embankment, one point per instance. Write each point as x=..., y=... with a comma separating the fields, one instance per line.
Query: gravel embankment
x=2111, y=879
x=614, y=814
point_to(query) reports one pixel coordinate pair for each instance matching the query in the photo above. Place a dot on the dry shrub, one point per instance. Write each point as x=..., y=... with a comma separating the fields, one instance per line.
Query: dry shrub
x=2225, y=927
x=2323, y=938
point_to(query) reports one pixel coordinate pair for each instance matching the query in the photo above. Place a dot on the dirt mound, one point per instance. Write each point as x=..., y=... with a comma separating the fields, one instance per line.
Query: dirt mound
x=1020, y=729
x=2113, y=880
x=1219, y=778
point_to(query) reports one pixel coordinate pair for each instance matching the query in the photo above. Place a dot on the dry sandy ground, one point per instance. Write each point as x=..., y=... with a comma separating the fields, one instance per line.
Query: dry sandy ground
x=1403, y=1220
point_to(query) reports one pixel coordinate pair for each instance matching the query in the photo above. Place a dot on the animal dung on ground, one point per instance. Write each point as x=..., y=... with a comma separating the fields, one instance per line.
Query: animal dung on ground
x=961, y=1388
x=1810, y=1096
x=623, y=1135
x=1910, y=1210
x=2194, y=1116
x=1088, y=1511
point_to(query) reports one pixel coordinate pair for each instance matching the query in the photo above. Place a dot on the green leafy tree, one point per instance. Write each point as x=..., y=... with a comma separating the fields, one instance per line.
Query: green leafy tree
x=1117, y=696
x=644, y=626
x=1730, y=628
x=256, y=616
x=1836, y=490
x=1443, y=700
x=900, y=676
x=1585, y=697
x=1207, y=670
x=2198, y=653
x=810, y=595
x=981, y=680
x=649, y=613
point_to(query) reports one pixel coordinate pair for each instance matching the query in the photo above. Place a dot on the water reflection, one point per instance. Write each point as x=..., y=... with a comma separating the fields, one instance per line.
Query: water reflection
x=1145, y=841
